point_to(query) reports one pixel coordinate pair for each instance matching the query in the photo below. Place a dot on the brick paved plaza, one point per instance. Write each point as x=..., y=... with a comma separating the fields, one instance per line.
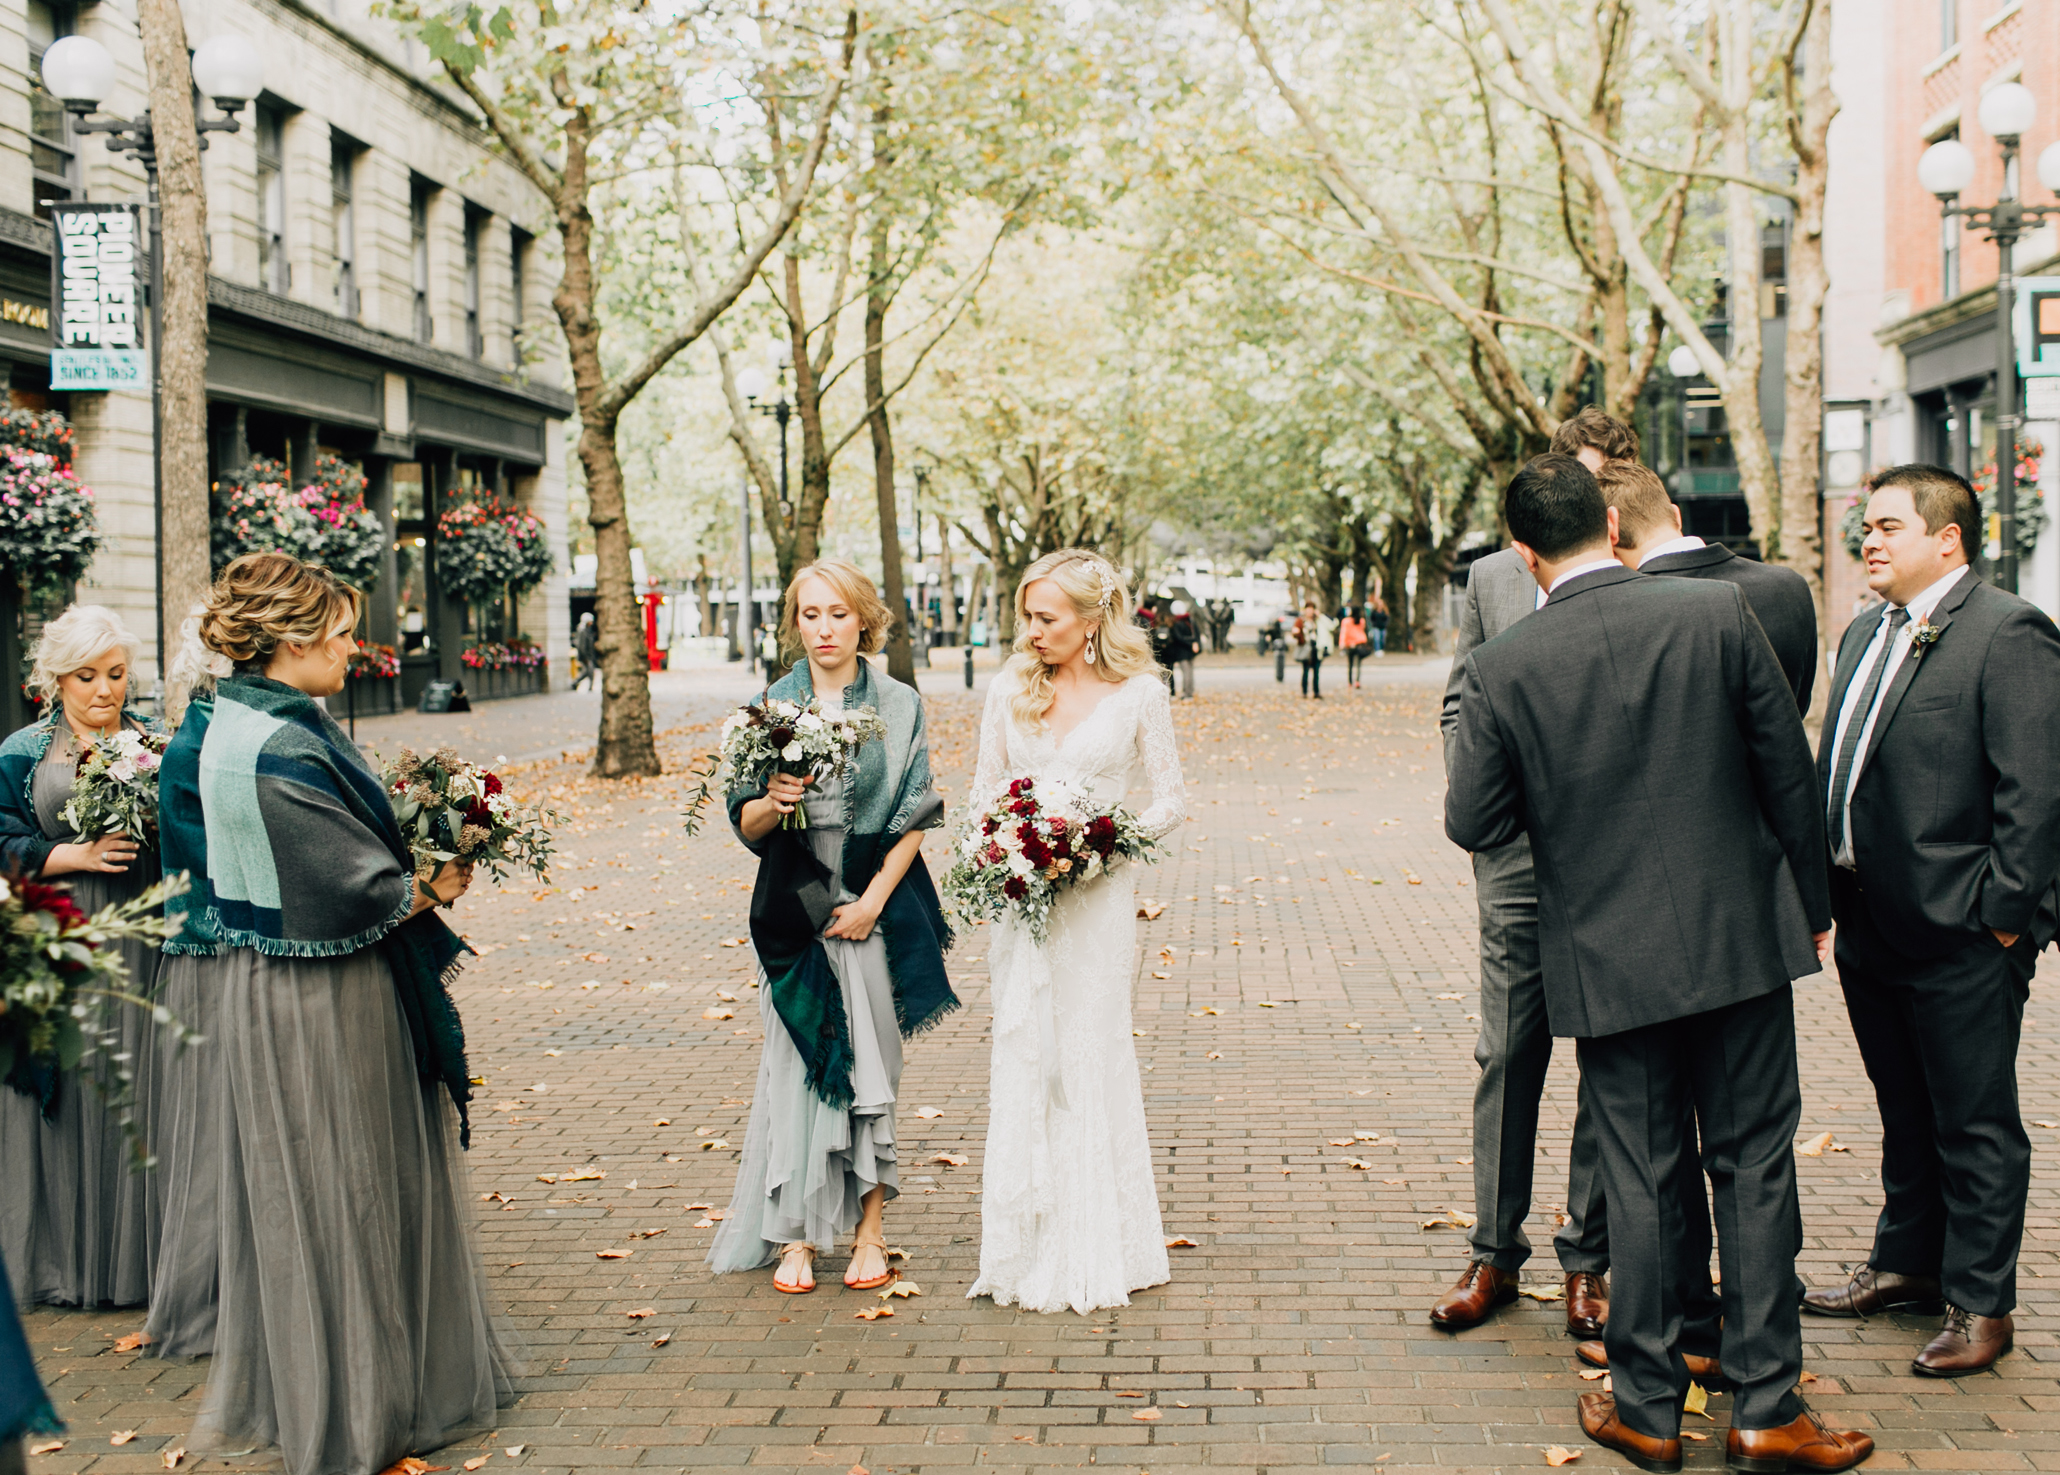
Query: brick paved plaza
x=1306, y=1013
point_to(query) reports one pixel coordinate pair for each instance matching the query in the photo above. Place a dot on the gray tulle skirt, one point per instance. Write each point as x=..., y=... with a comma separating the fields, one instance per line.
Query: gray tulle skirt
x=806, y=1164
x=78, y=1219
x=353, y=1323
x=188, y=1120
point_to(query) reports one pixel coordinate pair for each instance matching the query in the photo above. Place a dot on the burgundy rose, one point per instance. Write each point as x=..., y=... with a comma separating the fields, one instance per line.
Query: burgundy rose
x=1023, y=806
x=493, y=784
x=1019, y=788
x=1101, y=835
x=781, y=736
x=37, y=897
x=1015, y=888
x=989, y=825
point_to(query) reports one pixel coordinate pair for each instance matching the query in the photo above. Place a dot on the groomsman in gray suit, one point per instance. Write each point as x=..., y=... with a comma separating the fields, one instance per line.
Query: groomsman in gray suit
x=1515, y=1045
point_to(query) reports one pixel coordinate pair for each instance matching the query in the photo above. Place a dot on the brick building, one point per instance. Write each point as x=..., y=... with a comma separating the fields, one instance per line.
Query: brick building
x=378, y=292
x=1910, y=338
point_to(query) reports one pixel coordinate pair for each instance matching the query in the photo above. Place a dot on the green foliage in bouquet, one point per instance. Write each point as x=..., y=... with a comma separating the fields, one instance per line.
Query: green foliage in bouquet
x=454, y=811
x=325, y=522
x=115, y=792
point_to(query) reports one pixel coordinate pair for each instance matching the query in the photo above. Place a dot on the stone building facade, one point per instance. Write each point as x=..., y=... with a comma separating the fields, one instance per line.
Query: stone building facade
x=379, y=291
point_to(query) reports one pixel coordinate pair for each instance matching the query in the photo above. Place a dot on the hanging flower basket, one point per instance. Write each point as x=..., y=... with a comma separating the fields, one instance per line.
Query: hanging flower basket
x=485, y=550
x=325, y=522
x=49, y=528
x=512, y=655
x=43, y=431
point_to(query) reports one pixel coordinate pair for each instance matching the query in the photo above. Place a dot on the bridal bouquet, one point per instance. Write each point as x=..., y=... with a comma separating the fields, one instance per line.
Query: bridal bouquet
x=115, y=792
x=1016, y=857
x=454, y=811
x=59, y=976
x=782, y=736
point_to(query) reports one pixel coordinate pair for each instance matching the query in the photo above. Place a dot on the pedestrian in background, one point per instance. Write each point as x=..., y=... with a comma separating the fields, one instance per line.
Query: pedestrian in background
x=1312, y=636
x=1377, y=625
x=1352, y=641
x=584, y=640
x=1185, y=645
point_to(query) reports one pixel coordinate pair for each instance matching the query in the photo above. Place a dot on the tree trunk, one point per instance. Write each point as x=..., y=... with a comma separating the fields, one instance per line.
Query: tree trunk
x=1802, y=506
x=623, y=746
x=901, y=661
x=1758, y=479
x=947, y=601
x=182, y=354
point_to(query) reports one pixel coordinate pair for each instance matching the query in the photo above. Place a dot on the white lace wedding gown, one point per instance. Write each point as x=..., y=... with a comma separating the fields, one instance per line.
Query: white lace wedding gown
x=1069, y=1213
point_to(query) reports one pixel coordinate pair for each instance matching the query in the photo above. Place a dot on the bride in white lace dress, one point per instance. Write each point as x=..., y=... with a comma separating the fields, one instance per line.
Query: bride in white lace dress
x=1069, y=1212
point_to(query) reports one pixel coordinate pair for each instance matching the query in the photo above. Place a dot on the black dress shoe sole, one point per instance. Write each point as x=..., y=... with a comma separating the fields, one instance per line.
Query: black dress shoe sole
x=1502, y=1298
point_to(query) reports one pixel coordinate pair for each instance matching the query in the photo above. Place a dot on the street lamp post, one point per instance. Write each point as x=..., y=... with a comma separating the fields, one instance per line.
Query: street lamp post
x=1947, y=168
x=752, y=383
x=80, y=73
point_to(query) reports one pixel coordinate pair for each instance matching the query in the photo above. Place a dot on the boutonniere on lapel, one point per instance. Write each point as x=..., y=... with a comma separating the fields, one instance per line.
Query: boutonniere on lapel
x=1923, y=636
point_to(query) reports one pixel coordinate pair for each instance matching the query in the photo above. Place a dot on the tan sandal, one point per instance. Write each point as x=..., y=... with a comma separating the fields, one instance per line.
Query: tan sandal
x=799, y=1247
x=886, y=1272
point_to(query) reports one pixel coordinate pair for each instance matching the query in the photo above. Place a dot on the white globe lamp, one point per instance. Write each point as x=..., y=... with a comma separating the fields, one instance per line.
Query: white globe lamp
x=229, y=70
x=79, y=72
x=2008, y=110
x=1946, y=168
x=1682, y=362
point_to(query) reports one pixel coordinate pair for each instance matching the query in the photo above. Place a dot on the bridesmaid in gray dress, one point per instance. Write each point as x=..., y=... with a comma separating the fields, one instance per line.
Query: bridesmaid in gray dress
x=820, y=1162
x=82, y=1229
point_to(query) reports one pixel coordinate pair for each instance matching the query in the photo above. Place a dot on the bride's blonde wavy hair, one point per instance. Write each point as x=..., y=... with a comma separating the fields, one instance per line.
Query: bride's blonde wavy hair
x=1102, y=600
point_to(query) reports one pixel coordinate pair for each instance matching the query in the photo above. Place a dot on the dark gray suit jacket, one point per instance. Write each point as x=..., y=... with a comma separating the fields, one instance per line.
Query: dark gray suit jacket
x=1779, y=596
x=1641, y=731
x=1956, y=801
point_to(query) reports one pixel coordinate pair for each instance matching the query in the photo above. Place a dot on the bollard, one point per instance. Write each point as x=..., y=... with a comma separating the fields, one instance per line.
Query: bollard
x=969, y=668
x=1280, y=663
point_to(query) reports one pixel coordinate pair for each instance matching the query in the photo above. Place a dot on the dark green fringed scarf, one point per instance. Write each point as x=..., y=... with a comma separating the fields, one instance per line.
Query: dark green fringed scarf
x=887, y=793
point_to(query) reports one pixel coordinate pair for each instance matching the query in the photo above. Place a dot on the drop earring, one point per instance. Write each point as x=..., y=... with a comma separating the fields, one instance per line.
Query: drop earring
x=1090, y=650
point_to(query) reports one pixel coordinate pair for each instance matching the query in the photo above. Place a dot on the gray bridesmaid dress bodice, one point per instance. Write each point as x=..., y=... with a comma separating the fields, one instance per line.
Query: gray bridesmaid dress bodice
x=807, y=1164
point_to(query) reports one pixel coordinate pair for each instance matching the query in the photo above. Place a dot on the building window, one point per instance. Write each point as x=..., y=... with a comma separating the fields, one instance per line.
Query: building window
x=475, y=225
x=274, y=274
x=419, y=192
x=518, y=276
x=52, y=155
x=343, y=227
x=1948, y=24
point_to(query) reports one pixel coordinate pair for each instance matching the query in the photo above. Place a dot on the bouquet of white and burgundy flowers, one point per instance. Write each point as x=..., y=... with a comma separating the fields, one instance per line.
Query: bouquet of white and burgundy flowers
x=1015, y=858
x=454, y=811
x=782, y=736
x=115, y=790
x=61, y=979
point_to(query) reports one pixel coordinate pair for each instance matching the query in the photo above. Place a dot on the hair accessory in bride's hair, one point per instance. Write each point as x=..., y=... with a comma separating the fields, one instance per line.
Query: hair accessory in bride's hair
x=1107, y=577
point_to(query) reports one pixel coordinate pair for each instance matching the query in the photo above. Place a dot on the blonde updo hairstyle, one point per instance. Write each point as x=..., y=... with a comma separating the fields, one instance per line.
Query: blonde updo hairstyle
x=76, y=639
x=854, y=588
x=1102, y=600
x=265, y=600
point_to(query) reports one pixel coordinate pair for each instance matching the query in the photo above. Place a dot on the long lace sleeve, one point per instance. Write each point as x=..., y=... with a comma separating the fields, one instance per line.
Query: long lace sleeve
x=991, y=772
x=1155, y=744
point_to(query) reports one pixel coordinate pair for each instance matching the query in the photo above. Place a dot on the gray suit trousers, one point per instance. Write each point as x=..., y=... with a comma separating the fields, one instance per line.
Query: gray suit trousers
x=1514, y=1051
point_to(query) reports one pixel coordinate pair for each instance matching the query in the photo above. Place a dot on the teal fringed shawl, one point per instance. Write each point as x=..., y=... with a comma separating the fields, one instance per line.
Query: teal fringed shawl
x=301, y=857
x=887, y=793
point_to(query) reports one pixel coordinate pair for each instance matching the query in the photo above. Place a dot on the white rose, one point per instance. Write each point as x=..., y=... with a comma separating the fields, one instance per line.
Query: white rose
x=1019, y=864
x=122, y=770
x=809, y=722
x=792, y=752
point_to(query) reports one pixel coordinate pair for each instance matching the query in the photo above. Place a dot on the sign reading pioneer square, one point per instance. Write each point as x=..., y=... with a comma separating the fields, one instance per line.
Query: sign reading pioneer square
x=96, y=298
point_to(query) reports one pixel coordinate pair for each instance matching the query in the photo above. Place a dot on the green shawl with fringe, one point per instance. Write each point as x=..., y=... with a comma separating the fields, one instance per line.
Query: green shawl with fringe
x=303, y=858
x=887, y=793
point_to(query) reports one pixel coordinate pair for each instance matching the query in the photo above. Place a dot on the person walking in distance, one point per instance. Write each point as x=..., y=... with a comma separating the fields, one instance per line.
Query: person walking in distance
x=1312, y=637
x=1183, y=647
x=585, y=639
x=1377, y=624
x=1641, y=732
x=1352, y=641
x=1649, y=539
x=1941, y=766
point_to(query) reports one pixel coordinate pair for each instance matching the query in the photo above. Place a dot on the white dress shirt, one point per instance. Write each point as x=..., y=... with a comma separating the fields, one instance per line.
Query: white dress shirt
x=1686, y=544
x=1920, y=610
x=1574, y=573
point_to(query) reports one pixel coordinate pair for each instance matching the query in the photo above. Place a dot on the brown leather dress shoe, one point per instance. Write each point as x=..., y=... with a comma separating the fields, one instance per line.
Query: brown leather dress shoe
x=1600, y=1423
x=1705, y=1370
x=1965, y=1344
x=1479, y=1291
x=1871, y=1292
x=1587, y=1304
x=1802, y=1445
